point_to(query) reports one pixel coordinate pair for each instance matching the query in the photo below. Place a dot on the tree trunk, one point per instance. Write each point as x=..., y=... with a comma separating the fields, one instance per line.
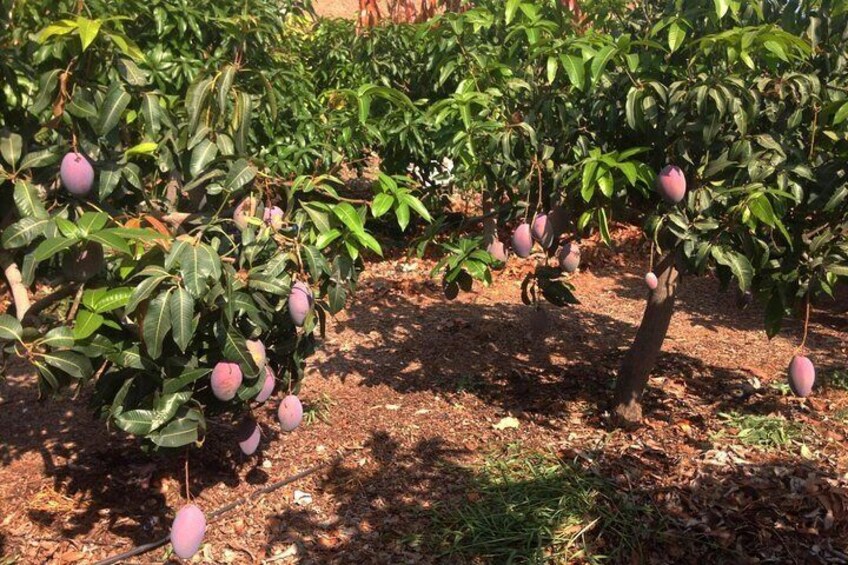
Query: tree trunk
x=642, y=356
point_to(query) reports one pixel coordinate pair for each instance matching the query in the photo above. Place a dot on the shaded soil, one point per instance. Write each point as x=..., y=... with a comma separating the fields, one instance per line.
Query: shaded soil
x=412, y=385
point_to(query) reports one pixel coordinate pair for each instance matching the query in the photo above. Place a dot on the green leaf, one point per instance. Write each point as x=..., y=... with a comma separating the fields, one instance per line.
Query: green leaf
x=112, y=109
x=202, y=154
x=51, y=246
x=137, y=422
x=62, y=27
x=166, y=406
x=318, y=217
x=197, y=264
x=402, y=213
x=416, y=205
x=349, y=217
x=235, y=349
x=186, y=378
x=74, y=364
x=603, y=226
x=574, y=68
x=110, y=176
x=841, y=114
x=86, y=323
x=368, y=241
x=157, y=323
x=91, y=222
x=600, y=60
x=38, y=159
x=126, y=45
x=23, y=232
x=27, y=201
x=181, y=306
x=738, y=264
x=67, y=228
x=112, y=299
x=239, y=175
x=761, y=208
x=511, y=9
x=676, y=36
x=315, y=261
x=151, y=111
x=46, y=88
x=551, y=68
x=143, y=148
x=180, y=432
x=61, y=337
x=10, y=146
x=131, y=73
x=109, y=238
x=336, y=295
x=88, y=30
x=10, y=328
x=145, y=288
x=224, y=85
x=605, y=183
x=382, y=203
x=326, y=238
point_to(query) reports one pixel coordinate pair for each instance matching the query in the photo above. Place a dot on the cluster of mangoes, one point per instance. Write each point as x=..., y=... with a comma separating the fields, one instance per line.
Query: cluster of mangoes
x=189, y=527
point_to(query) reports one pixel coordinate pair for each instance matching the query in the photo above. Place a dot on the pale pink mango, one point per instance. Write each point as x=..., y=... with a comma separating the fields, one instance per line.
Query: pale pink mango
x=77, y=174
x=290, y=413
x=187, y=531
x=226, y=380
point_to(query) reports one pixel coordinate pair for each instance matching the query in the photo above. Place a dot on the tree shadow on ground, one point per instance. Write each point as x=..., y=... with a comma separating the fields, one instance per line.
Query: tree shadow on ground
x=418, y=504
x=90, y=472
x=412, y=340
x=407, y=343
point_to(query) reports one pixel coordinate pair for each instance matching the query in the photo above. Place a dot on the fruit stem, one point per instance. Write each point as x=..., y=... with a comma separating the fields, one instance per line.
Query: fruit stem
x=188, y=491
x=806, y=325
x=651, y=258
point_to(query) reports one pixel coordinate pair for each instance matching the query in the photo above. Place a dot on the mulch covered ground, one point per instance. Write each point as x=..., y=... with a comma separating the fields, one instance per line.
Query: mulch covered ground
x=411, y=386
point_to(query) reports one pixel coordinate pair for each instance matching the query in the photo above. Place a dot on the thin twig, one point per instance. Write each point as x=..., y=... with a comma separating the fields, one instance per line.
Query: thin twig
x=72, y=313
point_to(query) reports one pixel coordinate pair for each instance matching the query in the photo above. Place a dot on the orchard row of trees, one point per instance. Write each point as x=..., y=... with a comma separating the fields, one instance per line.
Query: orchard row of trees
x=169, y=172
x=541, y=110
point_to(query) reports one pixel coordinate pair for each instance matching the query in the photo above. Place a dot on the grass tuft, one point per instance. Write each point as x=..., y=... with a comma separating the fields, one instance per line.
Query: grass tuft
x=764, y=432
x=837, y=380
x=318, y=410
x=534, y=508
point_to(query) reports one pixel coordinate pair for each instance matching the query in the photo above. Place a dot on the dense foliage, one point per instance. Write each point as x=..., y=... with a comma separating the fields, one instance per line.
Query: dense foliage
x=749, y=99
x=212, y=195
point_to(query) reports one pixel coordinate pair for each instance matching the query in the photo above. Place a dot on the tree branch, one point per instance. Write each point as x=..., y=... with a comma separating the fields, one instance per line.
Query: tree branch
x=47, y=301
x=20, y=295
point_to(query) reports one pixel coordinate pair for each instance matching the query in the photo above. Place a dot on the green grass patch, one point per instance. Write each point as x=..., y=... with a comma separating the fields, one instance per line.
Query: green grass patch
x=534, y=508
x=837, y=380
x=318, y=410
x=764, y=432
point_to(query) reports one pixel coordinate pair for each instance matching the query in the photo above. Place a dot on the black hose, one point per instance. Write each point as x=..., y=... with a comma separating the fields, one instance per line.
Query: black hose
x=138, y=550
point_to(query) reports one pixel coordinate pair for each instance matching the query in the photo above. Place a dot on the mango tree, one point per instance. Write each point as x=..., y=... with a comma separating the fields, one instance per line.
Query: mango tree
x=182, y=261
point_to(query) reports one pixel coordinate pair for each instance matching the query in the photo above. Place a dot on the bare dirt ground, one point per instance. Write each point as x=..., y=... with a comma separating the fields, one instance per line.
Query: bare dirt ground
x=413, y=385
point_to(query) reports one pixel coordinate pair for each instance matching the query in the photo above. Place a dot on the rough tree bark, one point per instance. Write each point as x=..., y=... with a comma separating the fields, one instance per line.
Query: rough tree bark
x=642, y=356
